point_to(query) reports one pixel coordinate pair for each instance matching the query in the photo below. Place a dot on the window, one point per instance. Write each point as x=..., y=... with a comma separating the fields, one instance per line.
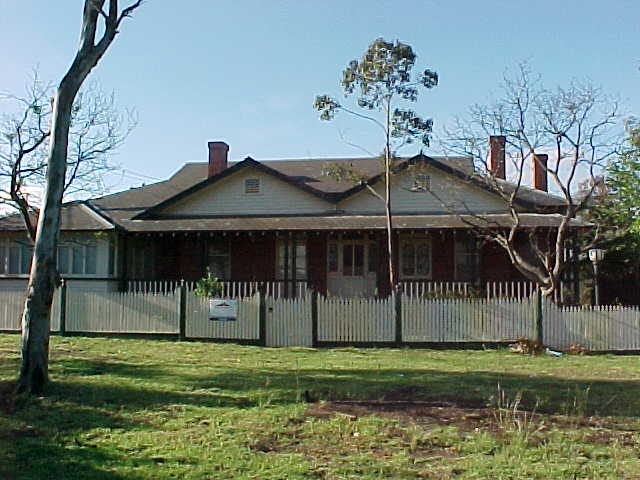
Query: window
x=421, y=183
x=285, y=255
x=353, y=259
x=219, y=258
x=252, y=185
x=15, y=257
x=467, y=254
x=415, y=258
x=78, y=258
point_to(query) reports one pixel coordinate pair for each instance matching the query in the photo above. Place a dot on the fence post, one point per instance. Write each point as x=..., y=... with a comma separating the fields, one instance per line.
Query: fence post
x=182, y=315
x=539, y=318
x=397, y=303
x=63, y=308
x=314, y=318
x=262, y=317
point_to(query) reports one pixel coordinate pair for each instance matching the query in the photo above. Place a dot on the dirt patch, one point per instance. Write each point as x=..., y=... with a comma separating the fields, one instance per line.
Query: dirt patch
x=409, y=412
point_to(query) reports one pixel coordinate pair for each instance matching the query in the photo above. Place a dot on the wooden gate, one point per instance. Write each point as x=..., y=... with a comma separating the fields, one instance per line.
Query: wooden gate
x=288, y=322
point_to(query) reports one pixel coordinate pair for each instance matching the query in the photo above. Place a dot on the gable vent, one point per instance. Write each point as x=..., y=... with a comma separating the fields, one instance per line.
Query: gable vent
x=252, y=185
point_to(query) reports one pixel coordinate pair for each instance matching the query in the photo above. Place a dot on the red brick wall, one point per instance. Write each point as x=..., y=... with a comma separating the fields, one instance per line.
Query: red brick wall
x=495, y=264
x=317, y=261
x=442, y=256
x=253, y=257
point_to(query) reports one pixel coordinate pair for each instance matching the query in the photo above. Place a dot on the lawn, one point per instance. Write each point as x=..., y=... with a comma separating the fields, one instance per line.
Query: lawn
x=155, y=409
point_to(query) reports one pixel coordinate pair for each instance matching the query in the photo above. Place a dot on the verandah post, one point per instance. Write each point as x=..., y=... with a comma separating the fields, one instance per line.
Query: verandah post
x=397, y=301
x=539, y=318
x=314, y=318
x=182, y=316
x=63, y=308
x=262, y=317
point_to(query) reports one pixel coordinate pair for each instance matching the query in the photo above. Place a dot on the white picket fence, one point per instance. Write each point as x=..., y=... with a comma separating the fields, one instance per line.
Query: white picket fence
x=607, y=328
x=356, y=320
x=468, y=320
x=289, y=322
x=245, y=327
x=11, y=305
x=114, y=312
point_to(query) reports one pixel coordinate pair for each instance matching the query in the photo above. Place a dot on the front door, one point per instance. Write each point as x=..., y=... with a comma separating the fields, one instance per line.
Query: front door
x=351, y=268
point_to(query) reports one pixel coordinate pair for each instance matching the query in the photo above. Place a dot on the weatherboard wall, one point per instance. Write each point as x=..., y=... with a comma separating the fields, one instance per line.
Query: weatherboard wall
x=228, y=197
x=446, y=194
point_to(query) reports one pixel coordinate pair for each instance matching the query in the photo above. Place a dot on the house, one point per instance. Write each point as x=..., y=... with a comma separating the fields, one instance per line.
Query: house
x=287, y=221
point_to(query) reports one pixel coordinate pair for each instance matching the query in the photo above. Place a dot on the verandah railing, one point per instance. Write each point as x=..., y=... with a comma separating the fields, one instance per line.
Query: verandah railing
x=231, y=289
x=488, y=290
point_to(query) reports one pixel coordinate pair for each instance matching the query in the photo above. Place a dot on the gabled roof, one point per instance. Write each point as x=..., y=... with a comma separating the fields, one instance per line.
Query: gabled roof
x=132, y=209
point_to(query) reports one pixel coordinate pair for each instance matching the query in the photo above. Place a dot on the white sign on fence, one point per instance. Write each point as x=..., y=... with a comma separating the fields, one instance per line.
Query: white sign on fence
x=223, y=309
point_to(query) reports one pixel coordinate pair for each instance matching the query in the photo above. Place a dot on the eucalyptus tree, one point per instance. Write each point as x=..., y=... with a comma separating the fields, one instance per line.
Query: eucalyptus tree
x=101, y=20
x=378, y=88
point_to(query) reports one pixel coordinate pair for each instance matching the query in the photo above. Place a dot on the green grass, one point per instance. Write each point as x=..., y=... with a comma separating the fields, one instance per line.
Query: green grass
x=152, y=409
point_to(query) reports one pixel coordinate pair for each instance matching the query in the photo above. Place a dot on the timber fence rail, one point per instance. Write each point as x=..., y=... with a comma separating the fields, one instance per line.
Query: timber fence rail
x=313, y=320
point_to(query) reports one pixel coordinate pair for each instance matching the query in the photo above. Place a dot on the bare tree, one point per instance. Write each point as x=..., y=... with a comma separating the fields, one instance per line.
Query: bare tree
x=97, y=128
x=564, y=136
x=383, y=84
x=101, y=20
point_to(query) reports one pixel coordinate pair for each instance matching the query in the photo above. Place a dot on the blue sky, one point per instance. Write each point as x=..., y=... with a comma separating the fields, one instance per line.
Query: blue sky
x=247, y=72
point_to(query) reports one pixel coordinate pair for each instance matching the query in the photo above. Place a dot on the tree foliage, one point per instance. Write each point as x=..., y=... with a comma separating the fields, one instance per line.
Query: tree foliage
x=380, y=86
x=97, y=128
x=616, y=206
x=576, y=126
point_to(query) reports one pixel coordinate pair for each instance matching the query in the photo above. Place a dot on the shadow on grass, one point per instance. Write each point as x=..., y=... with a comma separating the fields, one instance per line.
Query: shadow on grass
x=237, y=387
x=87, y=395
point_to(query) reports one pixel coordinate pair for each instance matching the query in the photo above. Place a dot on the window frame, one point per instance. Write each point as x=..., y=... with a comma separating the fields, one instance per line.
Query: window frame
x=415, y=242
x=467, y=237
x=300, y=242
x=81, y=247
x=21, y=261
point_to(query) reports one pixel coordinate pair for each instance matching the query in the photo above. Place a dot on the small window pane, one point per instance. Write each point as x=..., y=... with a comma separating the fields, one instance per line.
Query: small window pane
x=63, y=259
x=358, y=260
x=219, y=259
x=14, y=260
x=422, y=259
x=301, y=261
x=25, y=260
x=3, y=259
x=408, y=259
x=90, y=260
x=78, y=260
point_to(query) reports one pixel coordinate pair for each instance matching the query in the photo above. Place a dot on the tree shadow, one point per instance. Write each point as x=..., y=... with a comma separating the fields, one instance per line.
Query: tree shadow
x=47, y=436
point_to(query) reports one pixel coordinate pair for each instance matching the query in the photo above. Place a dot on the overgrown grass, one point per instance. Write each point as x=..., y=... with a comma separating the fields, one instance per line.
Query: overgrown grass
x=152, y=409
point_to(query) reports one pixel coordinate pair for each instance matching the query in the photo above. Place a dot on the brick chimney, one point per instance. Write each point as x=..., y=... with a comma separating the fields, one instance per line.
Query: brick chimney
x=540, y=171
x=217, y=157
x=496, y=165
